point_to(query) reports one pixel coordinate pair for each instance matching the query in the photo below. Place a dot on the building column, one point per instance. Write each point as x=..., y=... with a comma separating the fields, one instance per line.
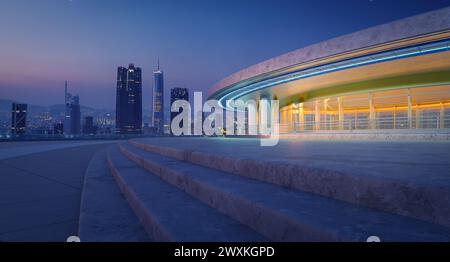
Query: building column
x=264, y=115
x=326, y=123
x=288, y=122
x=301, y=117
x=340, y=113
x=284, y=120
x=257, y=116
x=372, y=124
x=409, y=112
x=317, y=115
x=283, y=116
x=290, y=119
x=417, y=117
x=395, y=118
x=442, y=116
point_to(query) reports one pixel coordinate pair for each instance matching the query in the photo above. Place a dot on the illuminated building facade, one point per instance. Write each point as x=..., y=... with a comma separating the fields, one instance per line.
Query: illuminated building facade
x=129, y=100
x=392, y=76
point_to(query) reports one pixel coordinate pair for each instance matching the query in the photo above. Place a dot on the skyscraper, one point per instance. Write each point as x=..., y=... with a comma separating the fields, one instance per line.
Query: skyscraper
x=75, y=116
x=88, y=127
x=129, y=100
x=58, y=128
x=67, y=103
x=72, y=118
x=178, y=93
x=18, y=118
x=158, y=101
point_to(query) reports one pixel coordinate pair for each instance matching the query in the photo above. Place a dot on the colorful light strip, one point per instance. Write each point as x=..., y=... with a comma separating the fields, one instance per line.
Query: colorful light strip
x=418, y=50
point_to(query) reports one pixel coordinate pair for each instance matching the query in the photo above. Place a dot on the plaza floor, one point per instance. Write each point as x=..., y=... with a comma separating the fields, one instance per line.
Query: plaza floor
x=40, y=189
x=41, y=182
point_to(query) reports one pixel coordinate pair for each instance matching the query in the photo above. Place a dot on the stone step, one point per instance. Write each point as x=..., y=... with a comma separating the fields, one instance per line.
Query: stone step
x=283, y=214
x=402, y=197
x=105, y=215
x=169, y=214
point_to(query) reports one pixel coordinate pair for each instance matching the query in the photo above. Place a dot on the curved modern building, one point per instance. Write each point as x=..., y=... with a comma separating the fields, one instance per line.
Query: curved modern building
x=392, y=76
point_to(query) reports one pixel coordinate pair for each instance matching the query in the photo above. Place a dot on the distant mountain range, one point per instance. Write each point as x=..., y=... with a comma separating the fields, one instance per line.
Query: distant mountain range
x=5, y=105
x=57, y=110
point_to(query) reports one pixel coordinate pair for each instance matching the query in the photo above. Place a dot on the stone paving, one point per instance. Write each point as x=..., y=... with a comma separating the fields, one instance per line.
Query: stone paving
x=13, y=149
x=41, y=182
x=40, y=193
x=424, y=162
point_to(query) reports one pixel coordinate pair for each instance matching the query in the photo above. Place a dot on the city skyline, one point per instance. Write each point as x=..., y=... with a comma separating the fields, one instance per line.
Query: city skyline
x=267, y=121
x=34, y=67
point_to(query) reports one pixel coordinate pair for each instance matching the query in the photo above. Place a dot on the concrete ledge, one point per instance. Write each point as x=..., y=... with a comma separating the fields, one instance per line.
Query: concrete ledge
x=422, y=24
x=281, y=214
x=104, y=213
x=428, y=203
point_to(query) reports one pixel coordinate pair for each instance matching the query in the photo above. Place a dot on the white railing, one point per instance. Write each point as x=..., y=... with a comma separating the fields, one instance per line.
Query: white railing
x=364, y=123
x=368, y=124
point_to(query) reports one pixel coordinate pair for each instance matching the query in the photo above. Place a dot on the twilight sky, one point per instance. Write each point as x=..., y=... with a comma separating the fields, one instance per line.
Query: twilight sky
x=44, y=42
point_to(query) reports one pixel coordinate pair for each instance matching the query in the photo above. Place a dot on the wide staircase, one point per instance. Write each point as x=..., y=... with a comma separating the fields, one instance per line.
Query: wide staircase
x=137, y=191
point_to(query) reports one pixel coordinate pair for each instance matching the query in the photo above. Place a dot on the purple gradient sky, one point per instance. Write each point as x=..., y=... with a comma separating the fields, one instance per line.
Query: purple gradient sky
x=44, y=42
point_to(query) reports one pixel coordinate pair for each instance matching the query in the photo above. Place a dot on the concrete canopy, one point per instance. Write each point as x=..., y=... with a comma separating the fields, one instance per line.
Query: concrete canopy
x=396, y=38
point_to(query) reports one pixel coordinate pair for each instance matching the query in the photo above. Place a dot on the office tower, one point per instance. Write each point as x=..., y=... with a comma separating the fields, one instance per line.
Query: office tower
x=72, y=118
x=75, y=116
x=58, y=128
x=121, y=99
x=129, y=100
x=18, y=118
x=158, y=101
x=67, y=104
x=178, y=93
x=88, y=127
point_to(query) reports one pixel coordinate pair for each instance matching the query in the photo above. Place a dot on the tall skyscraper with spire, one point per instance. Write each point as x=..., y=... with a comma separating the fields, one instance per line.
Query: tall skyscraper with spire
x=129, y=100
x=158, y=101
